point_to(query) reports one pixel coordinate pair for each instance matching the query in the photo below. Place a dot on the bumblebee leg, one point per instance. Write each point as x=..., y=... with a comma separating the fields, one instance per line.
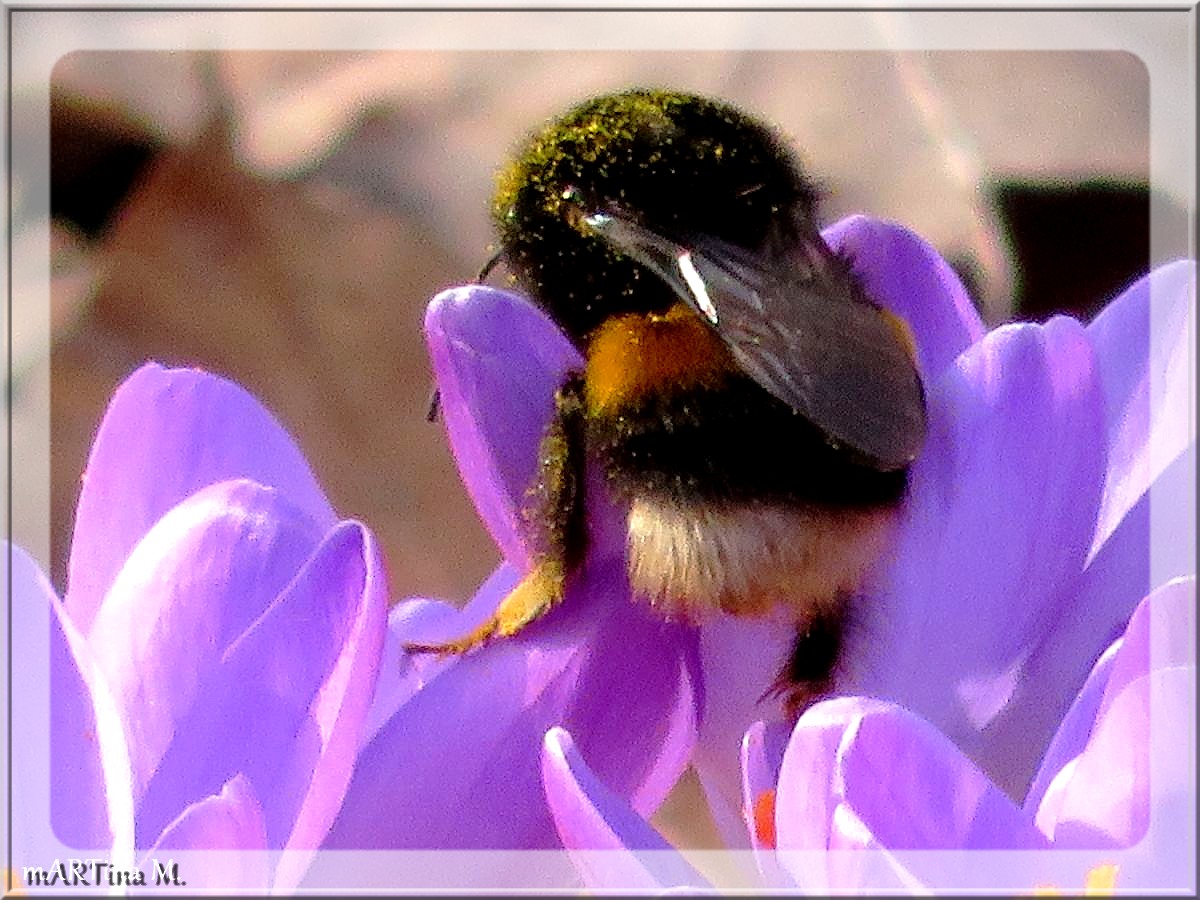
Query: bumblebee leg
x=808, y=672
x=536, y=593
x=559, y=526
x=903, y=331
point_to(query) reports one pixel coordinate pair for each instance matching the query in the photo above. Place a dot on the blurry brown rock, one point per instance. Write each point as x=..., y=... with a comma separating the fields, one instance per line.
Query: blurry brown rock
x=308, y=299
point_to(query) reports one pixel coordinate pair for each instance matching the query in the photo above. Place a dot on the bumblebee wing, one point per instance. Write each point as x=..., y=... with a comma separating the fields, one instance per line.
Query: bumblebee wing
x=796, y=323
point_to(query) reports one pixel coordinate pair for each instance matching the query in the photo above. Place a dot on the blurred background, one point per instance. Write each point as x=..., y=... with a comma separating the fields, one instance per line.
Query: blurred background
x=283, y=218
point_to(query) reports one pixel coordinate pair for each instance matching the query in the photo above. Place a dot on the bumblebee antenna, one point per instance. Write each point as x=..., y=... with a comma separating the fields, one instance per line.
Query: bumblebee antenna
x=435, y=396
x=489, y=265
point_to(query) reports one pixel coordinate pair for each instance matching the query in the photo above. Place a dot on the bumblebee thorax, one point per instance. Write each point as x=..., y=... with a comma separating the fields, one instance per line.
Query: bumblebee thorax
x=679, y=162
x=633, y=354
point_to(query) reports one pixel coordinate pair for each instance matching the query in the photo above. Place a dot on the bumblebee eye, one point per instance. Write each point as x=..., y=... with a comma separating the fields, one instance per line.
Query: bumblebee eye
x=573, y=209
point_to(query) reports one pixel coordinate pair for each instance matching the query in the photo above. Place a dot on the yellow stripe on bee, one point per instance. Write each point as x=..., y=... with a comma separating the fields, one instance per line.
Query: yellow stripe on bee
x=630, y=355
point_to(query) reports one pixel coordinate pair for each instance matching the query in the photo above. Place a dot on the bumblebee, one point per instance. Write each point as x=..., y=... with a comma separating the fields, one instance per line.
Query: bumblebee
x=750, y=406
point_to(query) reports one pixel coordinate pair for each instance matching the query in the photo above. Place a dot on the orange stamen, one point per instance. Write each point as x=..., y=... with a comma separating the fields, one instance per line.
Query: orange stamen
x=764, y=818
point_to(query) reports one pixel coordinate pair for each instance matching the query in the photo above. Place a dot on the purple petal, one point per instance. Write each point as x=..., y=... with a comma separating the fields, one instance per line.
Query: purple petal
x=498, y=362
x=76, y=772
x=427, y=621
x=1126, y=660
x=860, y=775
x=1093, y=788
x=1093, y=609
x=618, y=677
x=590, y=817
x=166, y=434
x=905, y=275
x=287, y=703
x=811, y=815
x=1075, y=728
x=916, y=791
x=199, y=578
x=1102, y=798
x=353, y=565
x=1144, y=342
x=1143, y=366
x=230, y=652
x=230, y=820
x=809, y=789
x=998, y=520
x=741, y=659
x=762, y=756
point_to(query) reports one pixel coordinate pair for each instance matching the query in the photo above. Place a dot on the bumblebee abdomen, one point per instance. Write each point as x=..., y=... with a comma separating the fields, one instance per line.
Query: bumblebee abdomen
x=737, y=503
x=730, y=442
x=695, y=559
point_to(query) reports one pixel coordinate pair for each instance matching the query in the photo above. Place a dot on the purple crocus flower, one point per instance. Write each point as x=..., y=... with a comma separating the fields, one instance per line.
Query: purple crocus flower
x=861, y=774
x=215, y=654
x=1022, y=554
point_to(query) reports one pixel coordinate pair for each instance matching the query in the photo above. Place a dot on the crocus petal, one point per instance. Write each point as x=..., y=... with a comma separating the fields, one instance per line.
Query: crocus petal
x=741, y=659
x=229, y=820
x=206, y=693
x=197, y=580
x=762, y=755
x=886, y=780
x=498, y=361
x=621, y=679
x=190, y=429
x=916, y=791
x=1128, y=659
x=71, y=765
x=1093, y=609
x=287, y=703
x=339, y=710
x=809, y=789
x=1144, y=373
x=77, y=800
x=820, y=837
x=1145, y=342
x=1103, y=798
x=1075, y=728
x=1095, y=774
x=230, y=823
x=422, y=621
x=905, y=275
x=998, y=519
x=590, y=817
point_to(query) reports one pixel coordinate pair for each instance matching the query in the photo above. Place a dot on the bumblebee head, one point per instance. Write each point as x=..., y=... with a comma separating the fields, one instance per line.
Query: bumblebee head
x=678, y=163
